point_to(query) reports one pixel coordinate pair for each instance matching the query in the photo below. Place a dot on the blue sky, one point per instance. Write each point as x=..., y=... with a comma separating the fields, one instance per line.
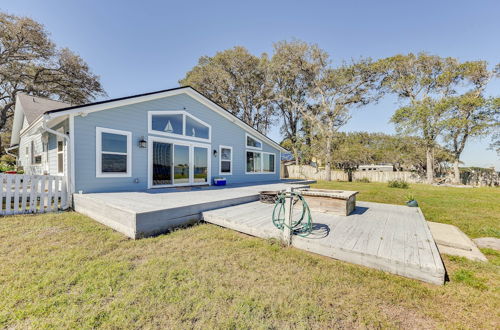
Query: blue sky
x=141, y=46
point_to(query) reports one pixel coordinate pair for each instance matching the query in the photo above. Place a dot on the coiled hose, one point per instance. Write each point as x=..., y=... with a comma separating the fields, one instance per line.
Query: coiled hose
x=298, y=227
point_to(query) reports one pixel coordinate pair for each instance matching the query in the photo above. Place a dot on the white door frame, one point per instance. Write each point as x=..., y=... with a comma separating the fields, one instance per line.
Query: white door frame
x=191, y=146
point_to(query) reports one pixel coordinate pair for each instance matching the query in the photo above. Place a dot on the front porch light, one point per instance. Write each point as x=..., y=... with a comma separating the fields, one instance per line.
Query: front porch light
x=142, y=142
x=215, y=153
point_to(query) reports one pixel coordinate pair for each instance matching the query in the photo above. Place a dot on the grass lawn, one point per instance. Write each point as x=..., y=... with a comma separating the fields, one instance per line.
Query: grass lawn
x=476, y=211
x=65, y=270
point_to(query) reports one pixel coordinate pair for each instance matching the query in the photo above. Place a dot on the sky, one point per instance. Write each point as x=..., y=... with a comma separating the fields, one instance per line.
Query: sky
x=143, y=46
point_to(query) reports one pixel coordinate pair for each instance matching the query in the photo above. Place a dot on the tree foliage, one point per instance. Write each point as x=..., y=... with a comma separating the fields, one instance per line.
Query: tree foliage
x=495, y=143
x=331, y=94
x=470, y=114
x=238, y=81
x=31, y=63
x=291, y=83
x=402, y=151
x=423, y=82
x=336, y=91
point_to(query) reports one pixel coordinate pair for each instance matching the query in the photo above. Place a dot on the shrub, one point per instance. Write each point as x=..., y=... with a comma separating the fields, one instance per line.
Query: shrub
x=7, y=163
x=398, y=184
x=410, y=197
x=364, y=180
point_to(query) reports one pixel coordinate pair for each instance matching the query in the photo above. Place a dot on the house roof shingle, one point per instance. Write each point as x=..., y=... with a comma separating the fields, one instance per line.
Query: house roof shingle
x=34, y=107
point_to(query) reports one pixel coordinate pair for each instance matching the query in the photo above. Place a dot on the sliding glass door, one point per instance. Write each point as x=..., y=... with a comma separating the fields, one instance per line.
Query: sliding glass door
x=175, y=163
x=181, y=164
x=162, y=163
x=200, y=165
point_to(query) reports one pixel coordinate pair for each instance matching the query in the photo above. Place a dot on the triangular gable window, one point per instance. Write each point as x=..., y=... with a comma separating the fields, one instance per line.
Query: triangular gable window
x=178, y=123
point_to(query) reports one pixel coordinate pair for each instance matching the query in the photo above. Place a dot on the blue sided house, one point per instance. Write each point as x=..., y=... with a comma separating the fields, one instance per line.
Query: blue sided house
x=174, y=137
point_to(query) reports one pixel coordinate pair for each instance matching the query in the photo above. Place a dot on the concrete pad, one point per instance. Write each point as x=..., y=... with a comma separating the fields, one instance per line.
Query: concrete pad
x=451, y=240
x=488, y=243
x=475, y=254
x=449, y=235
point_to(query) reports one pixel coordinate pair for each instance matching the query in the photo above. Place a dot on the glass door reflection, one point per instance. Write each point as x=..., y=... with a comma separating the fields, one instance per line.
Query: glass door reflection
x=181, y=164
x=200, y=165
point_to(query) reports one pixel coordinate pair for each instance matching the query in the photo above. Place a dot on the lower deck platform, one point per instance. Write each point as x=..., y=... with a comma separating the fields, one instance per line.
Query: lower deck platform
x=146, y=213
x=387, y=237
x=392, y=238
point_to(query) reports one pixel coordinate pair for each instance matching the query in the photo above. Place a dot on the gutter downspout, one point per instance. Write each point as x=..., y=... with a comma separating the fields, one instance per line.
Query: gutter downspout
x=68, y=158
x=7, y=151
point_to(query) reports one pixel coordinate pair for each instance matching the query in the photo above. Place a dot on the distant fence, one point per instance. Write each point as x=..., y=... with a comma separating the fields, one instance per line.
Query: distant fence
x=410, y=177
x=32, y=193
x=310, y=172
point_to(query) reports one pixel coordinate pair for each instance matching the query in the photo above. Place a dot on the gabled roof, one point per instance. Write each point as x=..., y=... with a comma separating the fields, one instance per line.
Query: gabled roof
x=34, y=106
x=69, y=107
x=113, y=103
x=30, y=108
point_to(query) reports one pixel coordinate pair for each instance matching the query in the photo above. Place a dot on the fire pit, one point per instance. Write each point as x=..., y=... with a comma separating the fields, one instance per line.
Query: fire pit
x=341, y=202
x=268, y=197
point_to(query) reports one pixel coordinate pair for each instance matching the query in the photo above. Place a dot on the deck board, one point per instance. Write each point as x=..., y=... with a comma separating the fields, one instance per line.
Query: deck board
x=391, y=238
x=387, y=237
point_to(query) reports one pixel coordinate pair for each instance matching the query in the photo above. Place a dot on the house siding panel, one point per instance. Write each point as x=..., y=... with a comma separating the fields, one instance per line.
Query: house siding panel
x=134, y=118
x=53, y=147
x=49, y=156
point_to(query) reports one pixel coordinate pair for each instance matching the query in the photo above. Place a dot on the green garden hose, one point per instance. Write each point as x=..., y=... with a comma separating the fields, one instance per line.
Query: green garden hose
x=299, y=227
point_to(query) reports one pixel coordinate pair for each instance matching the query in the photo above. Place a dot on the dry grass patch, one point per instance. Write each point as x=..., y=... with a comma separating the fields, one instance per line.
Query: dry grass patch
x=65, y=270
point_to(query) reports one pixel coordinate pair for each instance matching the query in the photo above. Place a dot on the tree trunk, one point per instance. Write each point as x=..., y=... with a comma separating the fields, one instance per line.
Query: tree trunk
x=296, y=155
x=328, y=165
x=456, y=172
x=429, y=165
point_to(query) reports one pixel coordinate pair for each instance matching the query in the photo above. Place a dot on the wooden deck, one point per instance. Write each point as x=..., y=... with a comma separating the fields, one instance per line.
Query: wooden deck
x=391, y=238
x=145, y=213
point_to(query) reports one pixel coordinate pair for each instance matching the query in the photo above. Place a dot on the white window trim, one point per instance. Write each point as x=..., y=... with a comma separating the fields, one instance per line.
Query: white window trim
x=220, y=160
x=269, y=153
x=98, y=149
x=33, y=154
x=261, y=162
x=191, y=145
x=249, y=147
x=183, y=135
x=58, y=138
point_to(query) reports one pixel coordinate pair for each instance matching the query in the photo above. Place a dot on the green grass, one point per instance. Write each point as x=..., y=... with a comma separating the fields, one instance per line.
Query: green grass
x=67, y=271
x=476, y=211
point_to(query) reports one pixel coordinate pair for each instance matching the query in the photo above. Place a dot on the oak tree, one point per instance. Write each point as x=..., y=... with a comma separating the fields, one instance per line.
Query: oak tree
x=238, y=81
x=423, y=82
x=31, y=63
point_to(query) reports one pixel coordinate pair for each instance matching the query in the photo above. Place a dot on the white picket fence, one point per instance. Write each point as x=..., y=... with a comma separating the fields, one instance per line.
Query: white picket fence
x=23, y=193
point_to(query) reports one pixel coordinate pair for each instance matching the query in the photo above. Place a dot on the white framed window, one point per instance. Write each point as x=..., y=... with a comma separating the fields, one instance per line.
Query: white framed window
x=60, y=153
x=225, y=160
x=258, y=162
x=268, y=162
x=178, y=123
x=254, y=162
x=113, y=153
x=36, y=157
x=252, y=143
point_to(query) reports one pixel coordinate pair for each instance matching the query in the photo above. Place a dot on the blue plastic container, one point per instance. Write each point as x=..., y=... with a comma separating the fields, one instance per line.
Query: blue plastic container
x=219, y=181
